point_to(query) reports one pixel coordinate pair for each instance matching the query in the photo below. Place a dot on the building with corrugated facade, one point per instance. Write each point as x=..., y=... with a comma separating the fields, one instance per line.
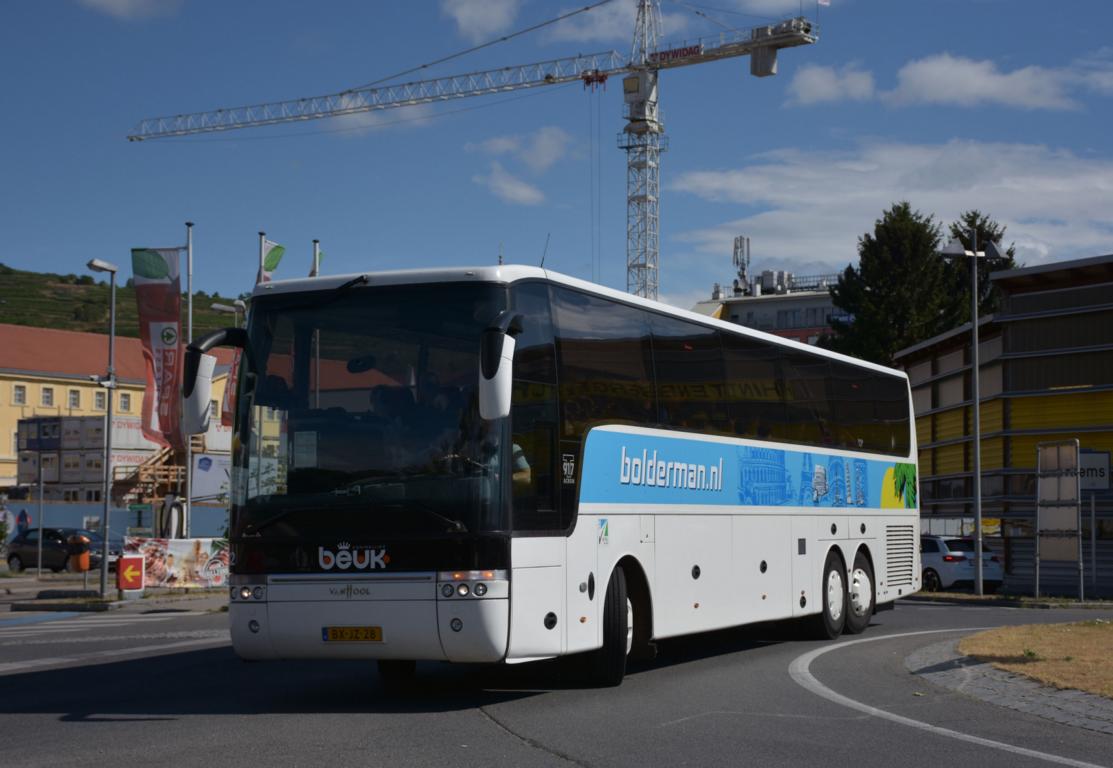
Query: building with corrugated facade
x=1046, y=374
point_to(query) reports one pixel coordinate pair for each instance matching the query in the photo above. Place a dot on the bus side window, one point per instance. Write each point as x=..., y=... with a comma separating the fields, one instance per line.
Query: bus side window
x=533, y=416
x=754, y=389
x=606, y=373
x=688, y=363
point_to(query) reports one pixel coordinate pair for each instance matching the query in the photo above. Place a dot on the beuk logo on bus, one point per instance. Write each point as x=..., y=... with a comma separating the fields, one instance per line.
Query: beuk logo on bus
x=361, y=558
x=653, y=471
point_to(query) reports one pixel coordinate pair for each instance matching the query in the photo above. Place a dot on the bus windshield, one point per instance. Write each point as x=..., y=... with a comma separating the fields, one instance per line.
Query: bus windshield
x=358, y=415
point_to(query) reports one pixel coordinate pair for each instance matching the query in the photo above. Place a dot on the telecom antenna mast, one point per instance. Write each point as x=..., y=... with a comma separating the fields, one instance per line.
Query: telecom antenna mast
x=643, y=138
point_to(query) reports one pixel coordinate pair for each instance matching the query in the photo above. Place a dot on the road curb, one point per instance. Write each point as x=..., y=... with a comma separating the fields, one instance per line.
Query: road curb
x=1006, y=603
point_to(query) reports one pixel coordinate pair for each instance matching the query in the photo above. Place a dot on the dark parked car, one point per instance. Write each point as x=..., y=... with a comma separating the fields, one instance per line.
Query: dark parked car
x=23, y=550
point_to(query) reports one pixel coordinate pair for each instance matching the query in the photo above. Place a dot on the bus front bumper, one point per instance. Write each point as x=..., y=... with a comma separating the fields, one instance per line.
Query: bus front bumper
x=311, y=617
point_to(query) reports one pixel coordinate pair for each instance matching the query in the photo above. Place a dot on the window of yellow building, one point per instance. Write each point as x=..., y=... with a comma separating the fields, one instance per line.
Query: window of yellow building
x=75, y=398
x=19, y=394
x=125, y=402
x=99, y=401
x=48, y=396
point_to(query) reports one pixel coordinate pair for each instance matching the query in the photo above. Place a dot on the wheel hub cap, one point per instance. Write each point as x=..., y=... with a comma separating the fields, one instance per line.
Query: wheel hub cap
x=835, y=594
x=861, y=592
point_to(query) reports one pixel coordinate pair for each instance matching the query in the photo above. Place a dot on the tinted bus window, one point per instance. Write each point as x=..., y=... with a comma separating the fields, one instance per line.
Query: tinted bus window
x=604, y=353
x=533, y=416
x=754, y=390
x=870, y=409
x=807, y=411
x=688, y=362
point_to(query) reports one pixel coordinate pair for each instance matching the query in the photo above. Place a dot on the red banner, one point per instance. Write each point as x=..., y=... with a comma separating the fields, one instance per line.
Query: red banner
x=158, y=295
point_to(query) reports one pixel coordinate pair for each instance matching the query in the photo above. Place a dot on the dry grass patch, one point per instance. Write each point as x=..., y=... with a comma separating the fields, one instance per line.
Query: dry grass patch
x=1061, y=655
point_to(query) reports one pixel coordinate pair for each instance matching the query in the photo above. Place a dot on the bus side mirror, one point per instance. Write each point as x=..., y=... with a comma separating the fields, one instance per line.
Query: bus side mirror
x=197, y=377
x=496, y=365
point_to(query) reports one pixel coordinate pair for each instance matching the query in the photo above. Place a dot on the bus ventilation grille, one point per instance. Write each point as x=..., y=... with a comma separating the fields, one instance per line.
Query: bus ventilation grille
x=900, y=555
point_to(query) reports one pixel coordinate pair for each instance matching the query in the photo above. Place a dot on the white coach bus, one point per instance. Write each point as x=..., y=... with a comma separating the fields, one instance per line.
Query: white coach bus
x=507, y=464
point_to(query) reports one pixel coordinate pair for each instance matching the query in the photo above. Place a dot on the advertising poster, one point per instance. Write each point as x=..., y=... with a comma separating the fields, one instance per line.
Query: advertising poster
x=182, y=562
x=211, y=476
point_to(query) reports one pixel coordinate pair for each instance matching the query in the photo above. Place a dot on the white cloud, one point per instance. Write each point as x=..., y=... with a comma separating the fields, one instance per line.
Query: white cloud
x=480, y=20
x=547, y=145
x=806, y=210
x=133, y=9
x=610, y=23
x=947, y=79
x=944, y=79
x=538, y=151
x=508, y=187
x=814, y=84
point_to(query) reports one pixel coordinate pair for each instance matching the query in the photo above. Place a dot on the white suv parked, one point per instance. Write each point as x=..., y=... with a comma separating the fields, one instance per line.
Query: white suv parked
x=949, y=562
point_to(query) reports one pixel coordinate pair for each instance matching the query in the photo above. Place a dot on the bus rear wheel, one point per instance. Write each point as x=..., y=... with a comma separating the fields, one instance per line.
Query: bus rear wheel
x=860, y=602
x=607, y=666
x=829, y=623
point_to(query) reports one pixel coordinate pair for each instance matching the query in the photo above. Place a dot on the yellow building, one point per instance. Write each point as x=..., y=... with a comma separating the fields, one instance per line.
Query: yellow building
x=48, y=372
x=1045, y=374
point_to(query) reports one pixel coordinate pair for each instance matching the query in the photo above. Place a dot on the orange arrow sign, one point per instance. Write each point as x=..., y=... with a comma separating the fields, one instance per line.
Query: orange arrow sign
x=129, y=572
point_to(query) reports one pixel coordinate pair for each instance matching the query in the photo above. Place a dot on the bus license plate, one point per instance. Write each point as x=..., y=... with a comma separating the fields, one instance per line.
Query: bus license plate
x=352, y=634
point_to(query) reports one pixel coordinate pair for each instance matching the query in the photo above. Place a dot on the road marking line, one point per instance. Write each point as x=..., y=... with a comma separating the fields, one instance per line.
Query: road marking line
x=800, y=671
x=102, y=657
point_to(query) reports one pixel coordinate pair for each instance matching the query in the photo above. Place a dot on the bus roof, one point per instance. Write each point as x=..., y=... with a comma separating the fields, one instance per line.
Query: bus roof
x=511, y=273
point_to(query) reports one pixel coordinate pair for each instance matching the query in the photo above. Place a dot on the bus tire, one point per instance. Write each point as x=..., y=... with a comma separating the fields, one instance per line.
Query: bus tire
x=829, y=622
x=608, y=664
x=860, y=600
x=396, y=674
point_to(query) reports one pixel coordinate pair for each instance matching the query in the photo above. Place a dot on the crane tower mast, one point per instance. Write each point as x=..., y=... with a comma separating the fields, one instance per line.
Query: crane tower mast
x=643, y=138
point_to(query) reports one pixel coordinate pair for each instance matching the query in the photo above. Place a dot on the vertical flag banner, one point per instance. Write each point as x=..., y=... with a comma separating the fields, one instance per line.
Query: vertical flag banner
x=228, y=404
x=271, y=255
x=158, y=295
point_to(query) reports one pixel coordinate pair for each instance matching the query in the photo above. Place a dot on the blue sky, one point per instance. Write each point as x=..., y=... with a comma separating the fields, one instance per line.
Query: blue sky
x=1003, y=105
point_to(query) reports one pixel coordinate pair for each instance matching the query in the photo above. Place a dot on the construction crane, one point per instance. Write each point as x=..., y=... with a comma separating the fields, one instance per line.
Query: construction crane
x=643, y=138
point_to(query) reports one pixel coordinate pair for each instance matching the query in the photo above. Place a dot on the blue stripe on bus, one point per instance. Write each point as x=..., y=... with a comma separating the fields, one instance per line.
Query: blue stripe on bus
x=635, y=468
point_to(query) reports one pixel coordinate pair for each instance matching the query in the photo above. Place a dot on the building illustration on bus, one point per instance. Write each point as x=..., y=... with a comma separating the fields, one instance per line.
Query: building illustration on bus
x=504, y=464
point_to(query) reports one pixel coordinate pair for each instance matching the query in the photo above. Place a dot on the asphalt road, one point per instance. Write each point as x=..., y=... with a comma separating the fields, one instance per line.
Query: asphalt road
x=133, y=689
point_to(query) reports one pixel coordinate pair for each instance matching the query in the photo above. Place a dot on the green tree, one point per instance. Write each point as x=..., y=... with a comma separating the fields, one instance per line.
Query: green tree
x=958, y=270
x=895, y=297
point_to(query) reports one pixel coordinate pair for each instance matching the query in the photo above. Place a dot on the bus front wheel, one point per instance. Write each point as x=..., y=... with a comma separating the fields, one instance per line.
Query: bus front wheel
x=829, y=623
x=608, y=664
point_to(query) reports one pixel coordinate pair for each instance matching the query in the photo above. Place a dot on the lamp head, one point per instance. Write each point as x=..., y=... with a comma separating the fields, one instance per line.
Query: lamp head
x=955, y=248
x=99, y=265
x=993, y=251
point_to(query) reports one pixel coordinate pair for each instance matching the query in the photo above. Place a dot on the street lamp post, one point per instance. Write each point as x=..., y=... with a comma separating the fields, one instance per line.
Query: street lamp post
x=957, y=249
x=97, y=265
x=235, y=308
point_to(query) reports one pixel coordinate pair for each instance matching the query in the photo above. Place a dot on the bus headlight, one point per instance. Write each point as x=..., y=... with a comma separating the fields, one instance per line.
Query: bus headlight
x=480, y=590
x=462, y=590
x=257, y=593
x=448, y=590
x=245, y=593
